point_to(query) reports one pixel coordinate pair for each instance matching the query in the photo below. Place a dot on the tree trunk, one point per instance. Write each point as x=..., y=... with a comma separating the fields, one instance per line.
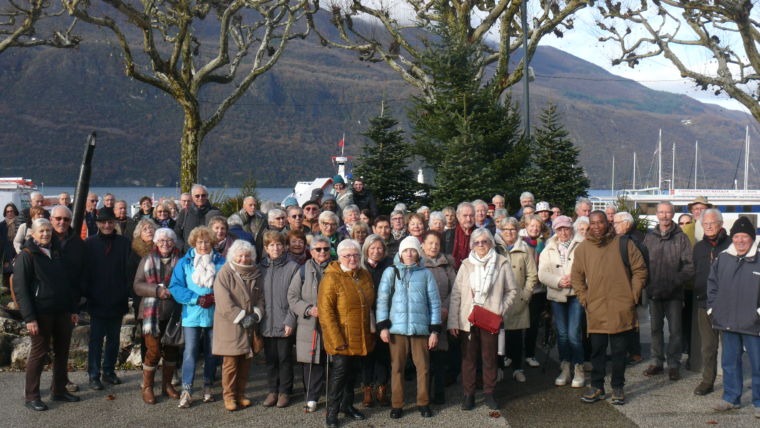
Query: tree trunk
x=189, y=145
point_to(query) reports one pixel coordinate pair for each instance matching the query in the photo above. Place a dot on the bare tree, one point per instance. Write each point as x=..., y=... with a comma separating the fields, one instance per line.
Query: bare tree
x=18, y=25
x=495, y=24
x=163, y=45
x=728, y=31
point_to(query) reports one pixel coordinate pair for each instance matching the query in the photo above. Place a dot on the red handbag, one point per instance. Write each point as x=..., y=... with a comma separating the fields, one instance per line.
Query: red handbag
x=484, y=319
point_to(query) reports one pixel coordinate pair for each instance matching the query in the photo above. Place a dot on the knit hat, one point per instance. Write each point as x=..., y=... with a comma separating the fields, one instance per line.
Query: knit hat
x=562, y=221
x=289, y=202
x=743, y=225
x=410, y=242
x=337, y=179
x=543, y=206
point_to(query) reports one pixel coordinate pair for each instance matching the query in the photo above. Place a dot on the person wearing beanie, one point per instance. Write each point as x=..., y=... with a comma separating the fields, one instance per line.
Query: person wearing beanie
x=343, y=195
x=733, y=300
x=409, y=320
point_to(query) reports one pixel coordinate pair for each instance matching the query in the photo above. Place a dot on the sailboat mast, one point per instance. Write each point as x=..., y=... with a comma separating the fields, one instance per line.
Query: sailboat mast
x=612, y=186
x=746, y=157
x=696, y=158
x=634, y=172
x=673, y=169
x=659, y=161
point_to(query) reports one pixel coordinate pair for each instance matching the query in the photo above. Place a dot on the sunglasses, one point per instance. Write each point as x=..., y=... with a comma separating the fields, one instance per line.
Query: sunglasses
x=321, y=249
x=61, y=218
x=297, y=216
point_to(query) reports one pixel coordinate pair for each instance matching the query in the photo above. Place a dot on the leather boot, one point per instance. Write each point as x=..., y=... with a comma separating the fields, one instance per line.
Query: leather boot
x=382, y=395
x=149, y=374
x=166, y=382
x=367, y=400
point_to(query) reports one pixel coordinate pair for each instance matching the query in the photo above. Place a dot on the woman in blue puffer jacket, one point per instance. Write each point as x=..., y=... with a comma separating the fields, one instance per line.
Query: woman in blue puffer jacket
x=409, y=320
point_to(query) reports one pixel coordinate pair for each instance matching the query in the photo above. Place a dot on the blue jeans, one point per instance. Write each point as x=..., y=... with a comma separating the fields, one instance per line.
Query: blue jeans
x=567, y=319
x=193, y=338
x=732, y=365
x=108, y=329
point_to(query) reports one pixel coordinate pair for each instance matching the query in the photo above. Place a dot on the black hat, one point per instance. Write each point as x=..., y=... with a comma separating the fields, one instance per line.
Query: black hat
x=743, y=225
x=105, y=215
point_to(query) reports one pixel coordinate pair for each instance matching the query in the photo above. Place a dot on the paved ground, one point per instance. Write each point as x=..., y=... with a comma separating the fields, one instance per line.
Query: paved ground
x=655, y=402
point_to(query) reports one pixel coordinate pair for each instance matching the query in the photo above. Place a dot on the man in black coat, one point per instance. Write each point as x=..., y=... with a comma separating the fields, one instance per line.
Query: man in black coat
x=363, y=198
x=107, y=290
x=197, y=214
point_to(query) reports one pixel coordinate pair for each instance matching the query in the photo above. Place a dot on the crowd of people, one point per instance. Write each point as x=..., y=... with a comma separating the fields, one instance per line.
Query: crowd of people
x=360, y=297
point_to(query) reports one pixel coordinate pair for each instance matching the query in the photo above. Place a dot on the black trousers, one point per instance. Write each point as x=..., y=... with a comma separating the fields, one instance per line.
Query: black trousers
x=376, y=366
x=538, y=304
x=278, y=352
x=341, y=381
x=55, y=329
x=619, y=345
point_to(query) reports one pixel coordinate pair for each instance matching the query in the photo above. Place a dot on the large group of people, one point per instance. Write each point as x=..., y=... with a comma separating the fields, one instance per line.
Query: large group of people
x=355, y=296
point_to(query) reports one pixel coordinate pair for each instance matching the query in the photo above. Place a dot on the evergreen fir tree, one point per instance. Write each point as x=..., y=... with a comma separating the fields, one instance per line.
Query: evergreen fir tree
x=384, y=165
x=554, y=174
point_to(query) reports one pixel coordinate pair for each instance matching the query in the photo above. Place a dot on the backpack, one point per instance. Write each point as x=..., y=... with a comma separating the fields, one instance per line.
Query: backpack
x=626, y=257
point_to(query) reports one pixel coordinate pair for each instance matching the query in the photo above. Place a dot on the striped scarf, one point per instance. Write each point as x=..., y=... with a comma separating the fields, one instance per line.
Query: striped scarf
x=151, y=305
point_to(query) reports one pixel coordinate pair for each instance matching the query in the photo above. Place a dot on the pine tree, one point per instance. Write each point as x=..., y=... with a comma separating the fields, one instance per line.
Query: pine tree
x=554, y=174
x=467, y=136
x=384, y=165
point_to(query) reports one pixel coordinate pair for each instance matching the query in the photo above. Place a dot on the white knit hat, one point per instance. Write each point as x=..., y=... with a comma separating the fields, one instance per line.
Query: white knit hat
x=410, y=242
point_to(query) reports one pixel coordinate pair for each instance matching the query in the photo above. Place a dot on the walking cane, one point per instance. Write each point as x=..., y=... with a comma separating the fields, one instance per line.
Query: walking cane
x=311, y=363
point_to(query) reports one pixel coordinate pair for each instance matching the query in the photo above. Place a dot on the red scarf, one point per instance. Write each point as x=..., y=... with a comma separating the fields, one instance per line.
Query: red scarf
x=461, y=245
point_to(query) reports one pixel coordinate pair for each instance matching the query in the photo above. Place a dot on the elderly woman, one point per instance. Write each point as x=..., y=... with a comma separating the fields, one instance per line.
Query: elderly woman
x=155, y=309
x=359, y=232
x=328, y=227
x=12, y=222
x=239, y=308
x=218, y=225
x=442, y=268
x=449, y=229
x=162, y=215
x=142, y=244
x=437, y=222
x=376, y=366
x=350, y=217
x=47, y=301
x=554, y=270
x=581, y=226
x=484, y=279
x=415, y=226
x=192, y=287
x=302, y=299
x=523, y=263
x=24, y=231
x=536, y=234
x=278, y=326
x=276, y=219
x=345, y=298
x=297, y=251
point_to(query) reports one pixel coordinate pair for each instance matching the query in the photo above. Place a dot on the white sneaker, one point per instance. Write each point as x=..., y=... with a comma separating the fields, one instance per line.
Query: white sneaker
x=564, y=375
x=311, y=406
x=532, y=362
x=208, y=397
x=519, y=376
x=579, y=378
x=185, y=400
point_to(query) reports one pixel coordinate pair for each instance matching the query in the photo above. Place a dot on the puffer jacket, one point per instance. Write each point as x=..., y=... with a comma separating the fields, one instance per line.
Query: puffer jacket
x=733, y=293
x=301, y=298
x=670, y=263
x=277, y=276
x=442, y=268
x=551, y=271
x=705, y=253
x=345, y=300
x=524, y=270
x=186, y=292
x=408, y=304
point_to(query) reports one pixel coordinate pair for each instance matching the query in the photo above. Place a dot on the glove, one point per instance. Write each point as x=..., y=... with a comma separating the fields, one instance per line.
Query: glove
x=249, y=320
x=206, y=300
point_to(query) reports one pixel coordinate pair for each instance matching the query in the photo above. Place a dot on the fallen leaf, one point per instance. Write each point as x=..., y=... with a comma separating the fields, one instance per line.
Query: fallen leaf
x=110, y=397
x=495, y=414
x=712, y=422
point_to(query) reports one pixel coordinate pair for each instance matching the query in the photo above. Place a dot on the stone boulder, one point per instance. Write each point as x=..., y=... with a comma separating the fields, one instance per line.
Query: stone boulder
x=10, y=326
x=21, y=347
x=80, y=338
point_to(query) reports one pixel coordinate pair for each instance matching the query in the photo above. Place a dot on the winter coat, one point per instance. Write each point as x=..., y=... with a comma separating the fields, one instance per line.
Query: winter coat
x=523, y=264
x=108, y=285
x=550, y=269
x=277, y=276
x=705, y=253
x=302, y=296
x=237, y=292
x=344, y=199
x=365, y=200
x=143, y=288
x=73, y=253
x=442, y=268
x=190, y=218
x=500, y=298
x=733, y=292
x=253, y=224
x=344, y=301
x=186, y=292
x=40, y=283
x=603, y=287
x=408, y=304
x=670, y=263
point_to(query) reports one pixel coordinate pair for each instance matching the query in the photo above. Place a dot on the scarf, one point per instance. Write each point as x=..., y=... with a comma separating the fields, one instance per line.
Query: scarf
x=564, y=251
x=481, y=278
x=151, y=305
x=203, y=270
x=461, y=245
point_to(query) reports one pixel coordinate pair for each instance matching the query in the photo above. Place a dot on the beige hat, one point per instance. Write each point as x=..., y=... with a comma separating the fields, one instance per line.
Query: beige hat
x=700, y=200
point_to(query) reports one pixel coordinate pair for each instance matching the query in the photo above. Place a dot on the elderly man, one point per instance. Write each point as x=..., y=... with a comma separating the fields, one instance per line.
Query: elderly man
x=89, y=226
x=498, y=202
x=481, y=216
x=732, y=302
x=107, y=289
x=583, y=208
x=670, y=268
x=465, y=226
x=610, y=211
x=295, y=219
x=35, y=200
x=311, y=211
x=185, y=200
x=197, y=214
x=125, y=225
x=253, y=220
x=64, y=198
x=714, y=241
x=109, y=200
x=609, y=292
x=526, y=200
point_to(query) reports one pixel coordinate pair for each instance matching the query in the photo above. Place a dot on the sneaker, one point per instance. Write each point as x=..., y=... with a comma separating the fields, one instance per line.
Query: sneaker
x=311, y=406
x=579, y=377
x=724, y=406
x=653, y=370
x=618, y=396
x=703, y=389
x=185, y=400
x=592, y=395
x=564, y=375
x=533, y=362
x=519, y=376
x=208, y=397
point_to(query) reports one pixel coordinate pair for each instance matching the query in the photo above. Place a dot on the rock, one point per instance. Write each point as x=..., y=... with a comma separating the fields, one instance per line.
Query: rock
x=128, y=319
x=21, y=347
x=80, y=338
x=134, y=358
x=125, y=338
x=11, y=326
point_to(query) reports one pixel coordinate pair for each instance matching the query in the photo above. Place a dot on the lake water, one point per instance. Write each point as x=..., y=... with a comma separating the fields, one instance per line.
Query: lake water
x=133, y=194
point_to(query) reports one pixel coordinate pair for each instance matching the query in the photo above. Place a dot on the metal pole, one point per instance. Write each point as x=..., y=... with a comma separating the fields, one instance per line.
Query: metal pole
x=526, y=75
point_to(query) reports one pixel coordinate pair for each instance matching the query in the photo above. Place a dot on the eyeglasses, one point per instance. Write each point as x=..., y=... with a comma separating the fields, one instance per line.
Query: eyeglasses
x=311, y=209
x=350, y=256
x=321, y=249
x=329, y=224
x=201, y=196
x=279, y=218
x=297, y=216
x=481, y=243
x=61, y=218
x=509, y=230
x=164, y=242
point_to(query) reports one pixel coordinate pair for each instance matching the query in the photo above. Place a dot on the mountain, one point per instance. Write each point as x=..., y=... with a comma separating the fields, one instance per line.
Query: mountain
x=286, y=128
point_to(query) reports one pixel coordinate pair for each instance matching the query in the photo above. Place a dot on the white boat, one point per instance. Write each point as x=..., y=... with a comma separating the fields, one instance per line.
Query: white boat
x=17, y=191
x=303, y=191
